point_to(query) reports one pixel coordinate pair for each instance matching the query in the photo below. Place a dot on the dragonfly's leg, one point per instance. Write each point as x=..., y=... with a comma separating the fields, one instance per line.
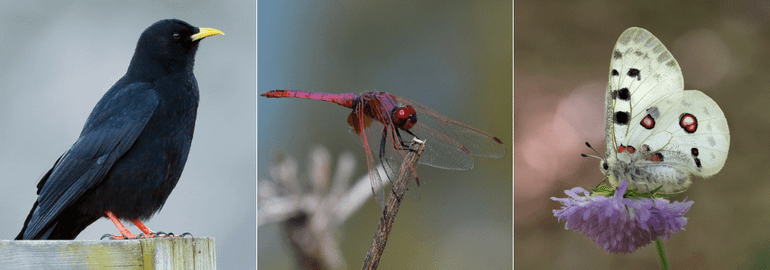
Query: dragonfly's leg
x=383, y=142
x=404, y=144
x=410, y=133
x=383, y=145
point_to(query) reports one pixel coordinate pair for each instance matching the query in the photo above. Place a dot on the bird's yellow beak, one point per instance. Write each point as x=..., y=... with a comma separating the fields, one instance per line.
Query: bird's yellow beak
x=206, y=32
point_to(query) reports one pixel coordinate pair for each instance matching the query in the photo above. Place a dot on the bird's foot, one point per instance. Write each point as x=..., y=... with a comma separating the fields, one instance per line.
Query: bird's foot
x=122, y=237
x=162, y=234
x=158, y=234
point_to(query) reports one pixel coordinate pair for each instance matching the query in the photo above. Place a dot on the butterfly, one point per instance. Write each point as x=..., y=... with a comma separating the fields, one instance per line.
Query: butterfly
x=658, y=135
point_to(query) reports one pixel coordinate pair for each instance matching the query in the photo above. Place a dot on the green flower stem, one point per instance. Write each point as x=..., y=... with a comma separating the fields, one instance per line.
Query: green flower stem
x=661, y=255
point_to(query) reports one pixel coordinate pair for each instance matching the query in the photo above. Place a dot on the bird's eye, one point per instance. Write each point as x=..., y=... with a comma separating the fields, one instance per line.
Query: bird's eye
x=176, y=35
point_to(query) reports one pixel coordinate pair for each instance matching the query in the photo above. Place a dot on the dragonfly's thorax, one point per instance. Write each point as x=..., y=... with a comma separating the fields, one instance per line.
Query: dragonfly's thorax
x=383, y=108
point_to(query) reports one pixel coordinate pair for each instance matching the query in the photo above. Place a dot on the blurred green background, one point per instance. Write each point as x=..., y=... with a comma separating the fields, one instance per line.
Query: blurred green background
x=453, y=57
x=57, y=60
x=563, y=51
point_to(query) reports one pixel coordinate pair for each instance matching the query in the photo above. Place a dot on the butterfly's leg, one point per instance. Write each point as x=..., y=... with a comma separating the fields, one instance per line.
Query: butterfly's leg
x=600, y=183
x=605, y=177
x=650, y=191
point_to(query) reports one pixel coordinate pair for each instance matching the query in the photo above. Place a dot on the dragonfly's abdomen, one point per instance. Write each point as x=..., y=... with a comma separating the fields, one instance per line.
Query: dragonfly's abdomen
x=345, y=99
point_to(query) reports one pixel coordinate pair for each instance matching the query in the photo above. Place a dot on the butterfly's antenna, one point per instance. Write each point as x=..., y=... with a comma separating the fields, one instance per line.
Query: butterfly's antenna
x=593, y=156
x=604, y=162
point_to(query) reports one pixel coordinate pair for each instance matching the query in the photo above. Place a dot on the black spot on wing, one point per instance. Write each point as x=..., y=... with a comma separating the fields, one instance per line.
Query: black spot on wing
x=624, y=94
x=694, y=151
x=621, y=118
x=635, y=73
x=617, y=54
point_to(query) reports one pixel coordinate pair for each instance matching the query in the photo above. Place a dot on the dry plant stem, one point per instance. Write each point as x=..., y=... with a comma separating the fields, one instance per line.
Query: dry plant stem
x=391, y=206
x=300, y=235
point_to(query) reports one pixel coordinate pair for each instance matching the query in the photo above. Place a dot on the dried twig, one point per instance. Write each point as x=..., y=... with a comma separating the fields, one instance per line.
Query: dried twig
x=391, y=206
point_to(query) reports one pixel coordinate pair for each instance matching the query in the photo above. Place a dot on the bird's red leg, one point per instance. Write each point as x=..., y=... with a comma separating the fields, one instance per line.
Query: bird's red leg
x=126, y=234
x=147, y=232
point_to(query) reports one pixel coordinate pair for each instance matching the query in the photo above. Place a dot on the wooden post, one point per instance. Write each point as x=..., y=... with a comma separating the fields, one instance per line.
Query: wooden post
x=154, y=253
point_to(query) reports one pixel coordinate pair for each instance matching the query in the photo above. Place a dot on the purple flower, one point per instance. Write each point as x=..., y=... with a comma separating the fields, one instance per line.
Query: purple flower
x=618, y=224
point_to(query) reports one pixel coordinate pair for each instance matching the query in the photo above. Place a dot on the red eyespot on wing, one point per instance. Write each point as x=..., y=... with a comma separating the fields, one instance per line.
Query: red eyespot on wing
x=688, y=122
x=657, y=157
x=623, y=148
x=647, y=122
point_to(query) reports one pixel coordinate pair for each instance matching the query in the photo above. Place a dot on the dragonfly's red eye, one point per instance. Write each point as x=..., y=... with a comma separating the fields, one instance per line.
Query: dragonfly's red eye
x=405, y=117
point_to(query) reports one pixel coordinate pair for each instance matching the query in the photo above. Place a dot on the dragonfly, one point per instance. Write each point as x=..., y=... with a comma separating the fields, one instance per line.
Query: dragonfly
x=387, y=123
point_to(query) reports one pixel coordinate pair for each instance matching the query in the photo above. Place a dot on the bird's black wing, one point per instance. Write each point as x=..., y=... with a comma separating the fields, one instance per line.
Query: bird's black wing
x=110, y=131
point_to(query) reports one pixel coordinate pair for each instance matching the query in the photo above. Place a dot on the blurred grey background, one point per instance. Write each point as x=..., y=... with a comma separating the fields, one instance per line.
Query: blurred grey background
x=57, y=60
x=454, y=57
x=562, y=59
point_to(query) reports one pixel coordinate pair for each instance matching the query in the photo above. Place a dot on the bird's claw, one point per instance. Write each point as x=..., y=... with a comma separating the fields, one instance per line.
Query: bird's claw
x=119, y=237
x=162, y=234
x=159, y=234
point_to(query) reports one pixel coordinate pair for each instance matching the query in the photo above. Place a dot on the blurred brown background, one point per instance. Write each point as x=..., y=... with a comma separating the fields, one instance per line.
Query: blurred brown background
x=562, y=52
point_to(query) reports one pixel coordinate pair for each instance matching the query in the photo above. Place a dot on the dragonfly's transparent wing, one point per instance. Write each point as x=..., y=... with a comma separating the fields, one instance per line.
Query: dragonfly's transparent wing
x=390, y=154
x=450, y=143
x=378, y=186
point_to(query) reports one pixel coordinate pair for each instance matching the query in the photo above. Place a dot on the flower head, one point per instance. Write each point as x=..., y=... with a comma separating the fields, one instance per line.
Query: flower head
x=618, y=223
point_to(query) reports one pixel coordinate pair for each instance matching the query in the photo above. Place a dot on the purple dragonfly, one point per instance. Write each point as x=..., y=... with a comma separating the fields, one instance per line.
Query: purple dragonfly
x=392, y=121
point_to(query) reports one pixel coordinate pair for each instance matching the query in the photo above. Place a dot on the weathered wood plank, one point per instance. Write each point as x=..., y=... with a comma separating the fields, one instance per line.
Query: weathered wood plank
x=158, y=253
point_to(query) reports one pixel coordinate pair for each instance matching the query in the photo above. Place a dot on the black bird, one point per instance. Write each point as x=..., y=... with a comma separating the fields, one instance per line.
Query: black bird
x=133, y=146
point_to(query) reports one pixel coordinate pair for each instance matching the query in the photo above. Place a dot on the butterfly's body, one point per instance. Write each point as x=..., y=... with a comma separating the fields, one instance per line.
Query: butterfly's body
x=657, y=133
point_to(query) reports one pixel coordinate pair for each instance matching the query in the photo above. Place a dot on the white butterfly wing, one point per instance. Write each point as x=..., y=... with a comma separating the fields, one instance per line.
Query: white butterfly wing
x=657, y=133
x=642, y=72
x=688, y=136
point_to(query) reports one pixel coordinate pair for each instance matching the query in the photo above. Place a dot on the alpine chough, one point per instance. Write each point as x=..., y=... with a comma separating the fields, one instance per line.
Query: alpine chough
x=134, y=145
